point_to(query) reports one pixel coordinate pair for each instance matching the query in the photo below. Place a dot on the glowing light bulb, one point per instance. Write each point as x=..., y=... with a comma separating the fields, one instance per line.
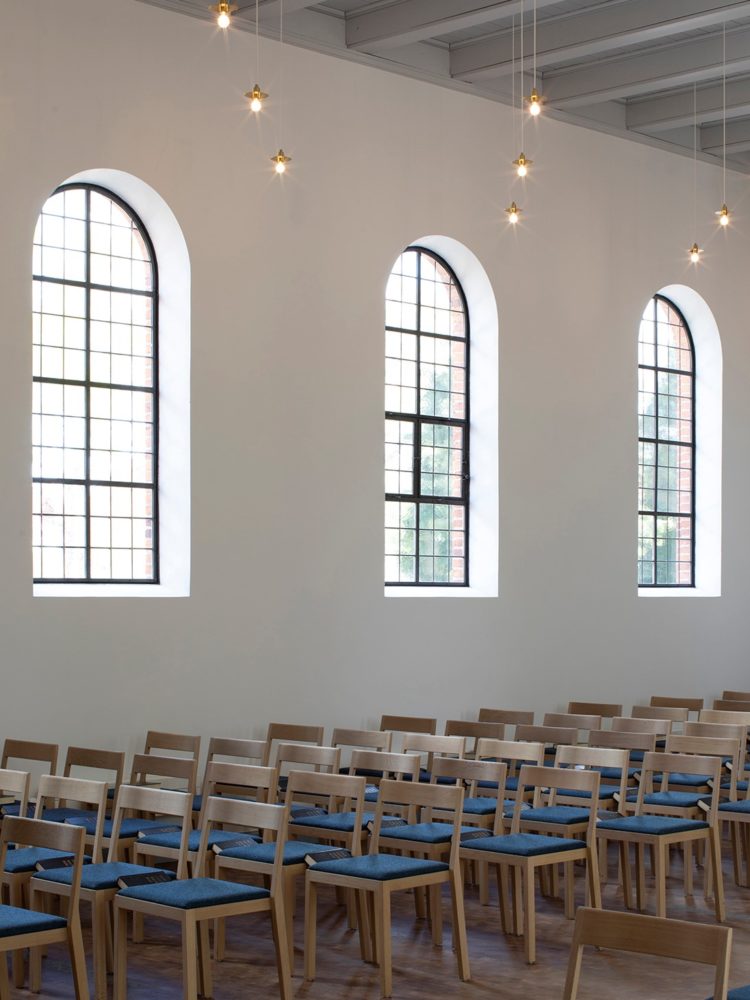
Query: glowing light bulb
x=223, y=11
x=513, y=213
x=522, y=165
x=256, y=98
x=723, y=215
x=695, y=254
x=280, y=161
x=535, y=104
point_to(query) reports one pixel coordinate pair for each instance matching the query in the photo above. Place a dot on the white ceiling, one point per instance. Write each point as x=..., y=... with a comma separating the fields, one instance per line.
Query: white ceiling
x=622, y=66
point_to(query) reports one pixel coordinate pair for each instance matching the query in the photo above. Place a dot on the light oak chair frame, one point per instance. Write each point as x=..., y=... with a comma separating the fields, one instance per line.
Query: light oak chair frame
x=506, y=716
x=289, y=732
x=474, y=731
x=646, y=935
x=515, y=754
x=605, y=709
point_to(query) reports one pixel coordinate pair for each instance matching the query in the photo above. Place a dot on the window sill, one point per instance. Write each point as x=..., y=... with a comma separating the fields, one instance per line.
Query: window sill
x=108, y=590
x=438, y=592
x=677, y=592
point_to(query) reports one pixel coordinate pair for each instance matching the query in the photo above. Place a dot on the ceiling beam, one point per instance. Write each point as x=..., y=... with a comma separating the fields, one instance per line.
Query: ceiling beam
x=672, y=111
x=661, y=68
x=591, y=33
x=270, y=8
x=416, y=20
x=738, y=138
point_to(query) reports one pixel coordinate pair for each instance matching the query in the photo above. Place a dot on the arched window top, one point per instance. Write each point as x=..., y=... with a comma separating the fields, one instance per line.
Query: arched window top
x=667, y=448
x=427, y=424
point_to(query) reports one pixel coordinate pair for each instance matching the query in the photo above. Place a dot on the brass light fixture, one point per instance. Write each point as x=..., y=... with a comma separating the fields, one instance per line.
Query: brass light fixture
x=280, y=161
x=723, y=213
x=522, y=165
x=256, y=98
x=513, y=212
x=223, y=11
x=695, y=254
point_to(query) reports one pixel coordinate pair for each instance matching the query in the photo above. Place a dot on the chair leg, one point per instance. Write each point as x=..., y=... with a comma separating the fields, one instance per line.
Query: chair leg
x=458, y=917
x=17, y=960
x=364, y=925
x=517, y=900
x=640, y=875
x=99, y=933
x=502, y=893
x=311, y=919
x=592, y=872
x=383, y=924
x=289, y=888
x=4, y=981
x=204, y=960
x=434, y=897
x=484, y=883
x=189, y=958
x=570, y=902
x=137, y=928
x=77, y=957
x=627, y=889
x=659, y=856
x=220, y=939
x=529, y=915
x=687, y=873
x=715, y=848
x=279, y=925
x=119, y=986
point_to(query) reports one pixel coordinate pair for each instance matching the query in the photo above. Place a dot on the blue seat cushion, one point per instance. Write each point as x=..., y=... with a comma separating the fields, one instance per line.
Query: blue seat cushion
x=741, y=786
x=302, y=807
x=614, y=773
x=341, y=822
x=743, y=806
x=689, y=780
x=636, y=756
x=363, y=772
x=423, y=833
x=189, y=893
x=96, y=877
x=371, y=793
x=15, y=920
x=563, y=815
x=683, y=800
x=484, y=805
x=24, y=859
x=605, y=792
x=172, y=840
x=742, y=993
x=294, y=852
x=652, y=825
x=130, y=827
x=382, y=867
x=14, y=808
x=63, y=813
x=527, y=845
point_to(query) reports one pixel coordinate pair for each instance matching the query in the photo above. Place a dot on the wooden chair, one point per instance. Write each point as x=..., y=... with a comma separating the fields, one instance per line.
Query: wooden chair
x=678, y=716
x=14, y=785
x=157, y=742
x=21, y=928
x=380, y=875
x=376, y=765
x=248, y=752
x=408, y=724
x=482, y=781
x=474, y=731
x=657, y=831
x=524, y=853
x=360, y=739
x=691, y=704
x=298, y=757
x=28, y=752
x=99, y=882
x=604, y=709
x=111, y=762
x=637, y=744
x=731, y=705
x=193, y=903
x=550, y=736
x=578, y=721
x=427, y=745
x=343, y=821
x=506, y=717
x=657, y=936
x=736, y=695
x=660, y=728
x=282, y=732
x=515, y=755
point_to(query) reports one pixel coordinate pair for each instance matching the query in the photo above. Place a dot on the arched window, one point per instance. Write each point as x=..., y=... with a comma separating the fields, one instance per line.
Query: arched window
x=96, y=394
x=426, y=424
x=666, y=448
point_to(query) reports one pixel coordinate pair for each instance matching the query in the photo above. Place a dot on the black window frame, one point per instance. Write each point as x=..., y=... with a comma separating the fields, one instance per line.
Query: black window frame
x=657, y=440
x=88, y=384
x=419, y=420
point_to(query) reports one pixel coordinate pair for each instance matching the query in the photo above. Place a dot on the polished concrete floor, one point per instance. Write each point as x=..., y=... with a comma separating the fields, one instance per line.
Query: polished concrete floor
x=420, y=970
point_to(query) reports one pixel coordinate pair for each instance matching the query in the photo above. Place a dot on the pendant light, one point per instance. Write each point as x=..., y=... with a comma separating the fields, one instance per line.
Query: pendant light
x=256, y=95
x=723, y=213
x=522, y=162
x=695, y=251
x=535, y=101
x=280, y=159
x=223, y=11
x=513, y=212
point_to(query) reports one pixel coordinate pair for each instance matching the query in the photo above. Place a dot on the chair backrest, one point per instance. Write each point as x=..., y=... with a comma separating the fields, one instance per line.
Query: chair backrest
x=676, y=715
x=15, y=783
x=691, y=704
x=111, y=761
x=252, y=781
x=147, y=766
x=719, y=730
x=473, y=731
x=241, y=751
x=611, y=739
x=511, y=752
x=706, y=944
x=408, y=724
x=469, y=773
x=665, y=764
x=362, y=739
x=302, y=756
x=726, y=748
x=290, y=732
x=270, y=820
x=344, y=792
x=45, y=754
x=659, y=727
x=156, y=802
x=605, y=709
x=413, y=796
x=731, y=705
x=549, y=735
x=427, y=745
x=582, y=723
x=594, y=759
x=58, y=791
x=733, y=718
x=387, y=765
x=553, y=779
x=174, y=742
x=736, y=695
x=53, y=836
x=506, y=716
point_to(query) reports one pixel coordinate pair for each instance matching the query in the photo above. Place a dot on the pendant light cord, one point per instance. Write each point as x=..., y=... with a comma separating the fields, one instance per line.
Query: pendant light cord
x=695, y=158
x=724, y=112
x=513, y=79
x=257, y=44
x=281, y=72
x=523, y=116
x=534, y=44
